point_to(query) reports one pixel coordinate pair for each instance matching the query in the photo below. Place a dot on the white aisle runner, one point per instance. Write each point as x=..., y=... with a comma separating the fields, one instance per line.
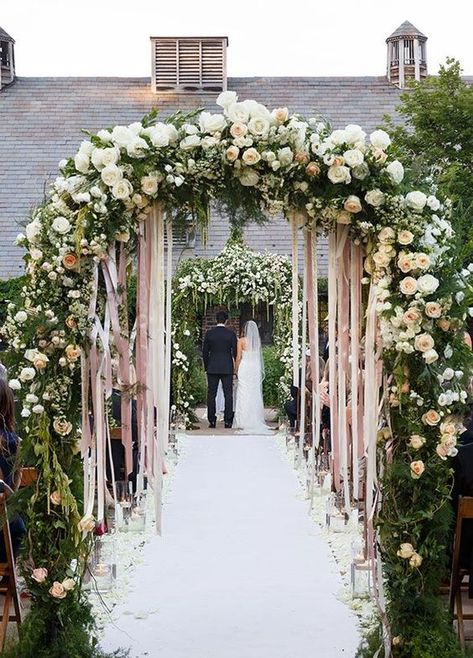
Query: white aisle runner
x=241, y=571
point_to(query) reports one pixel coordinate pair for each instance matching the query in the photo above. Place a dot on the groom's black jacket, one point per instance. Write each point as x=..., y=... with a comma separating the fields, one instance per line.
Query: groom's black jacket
x=219, y=351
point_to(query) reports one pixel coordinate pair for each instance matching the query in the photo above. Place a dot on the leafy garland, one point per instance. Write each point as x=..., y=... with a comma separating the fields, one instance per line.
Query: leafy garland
x=256, y=163
x=237, y=275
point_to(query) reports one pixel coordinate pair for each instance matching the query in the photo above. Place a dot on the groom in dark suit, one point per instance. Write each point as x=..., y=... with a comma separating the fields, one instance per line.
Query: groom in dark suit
x=219, y=354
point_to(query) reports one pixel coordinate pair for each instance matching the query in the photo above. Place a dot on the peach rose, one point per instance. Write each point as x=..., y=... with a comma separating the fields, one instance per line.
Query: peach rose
x=338, y=161
x=379, y=155
x=416, y=441
x=386, y=235
x=411, y=316
x=415, y=561
x=71, y=322
x=442, y=451
x=405, y=237
x=72, y=352
x=86, y=524
x=238, y=129
x=417, y=468
x=433, y=310
x=57, y=590
x=444, y=324
x=422, y=261
x=40, y=574
x=353, y=204
x=55, y=498
x=405, y=388
x=343, y=217
x=232, y=153
x=431, y=418
x=312, y=169
x=448, y=426
x=408, y=286
x=280, y=114
x=424, y=342
x=251, y=156
x=40, y=361
x=70, y=261
x=62, y=427
x=301, y=157
x=405, y=264
x=405, y=551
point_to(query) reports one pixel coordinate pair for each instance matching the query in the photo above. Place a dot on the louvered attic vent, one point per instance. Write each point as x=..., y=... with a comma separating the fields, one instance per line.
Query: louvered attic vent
x=189, y=63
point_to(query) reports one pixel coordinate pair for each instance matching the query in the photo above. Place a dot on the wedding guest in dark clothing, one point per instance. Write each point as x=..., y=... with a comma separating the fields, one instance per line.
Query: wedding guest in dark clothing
x=8, y=450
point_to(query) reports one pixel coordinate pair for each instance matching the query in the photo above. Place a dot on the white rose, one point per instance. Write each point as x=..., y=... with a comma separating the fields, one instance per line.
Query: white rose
x=122, y=135
x=136, y=147
x=82, y=162
x=250, y=156
x=227, y=98
x=122, y=189
x=38, y=409
x=430, y=356
x=427, y=283
x=433, y=202
x=338, y=174
x=211, y=123
x=353, y=157
x=280, y=115
x=375, y=198
x=249, y=177
x=395, y=171
x=111, y=174
x=353, y=204
x=14, y=384
x=259, y=126
x=338, y=137
x=285, y=156
x=32, y=230
x=25, y=413
x=189, y=142
x=104, y=135
x=237, y=112
x=158, y=134
x=149, y=184
x=416, y=201
x=380, y=139
x=27, y=374
x=36, y=254
x=61, y=225
x=354, y=134
x=21, y=317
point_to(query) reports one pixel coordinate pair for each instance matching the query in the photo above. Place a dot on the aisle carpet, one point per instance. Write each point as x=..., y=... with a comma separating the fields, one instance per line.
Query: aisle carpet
x=241, y=571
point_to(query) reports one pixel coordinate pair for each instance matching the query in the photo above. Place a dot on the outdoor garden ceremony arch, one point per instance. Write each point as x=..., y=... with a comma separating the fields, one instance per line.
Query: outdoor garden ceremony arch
x=118, y=199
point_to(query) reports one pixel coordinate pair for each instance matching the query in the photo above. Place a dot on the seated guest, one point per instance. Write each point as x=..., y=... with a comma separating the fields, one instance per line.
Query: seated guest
x=8, y=450
x=291, y=406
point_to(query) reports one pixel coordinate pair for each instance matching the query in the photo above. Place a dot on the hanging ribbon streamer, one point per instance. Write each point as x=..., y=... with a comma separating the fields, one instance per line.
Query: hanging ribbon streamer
x=168, y=329
x=303, y=378
x=355, y=369
x=295, y=298
x=332, y=343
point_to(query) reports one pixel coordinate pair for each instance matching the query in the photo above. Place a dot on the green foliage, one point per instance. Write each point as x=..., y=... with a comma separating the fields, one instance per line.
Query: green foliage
x=437, y=138
x=10, y=290
x=274, y=372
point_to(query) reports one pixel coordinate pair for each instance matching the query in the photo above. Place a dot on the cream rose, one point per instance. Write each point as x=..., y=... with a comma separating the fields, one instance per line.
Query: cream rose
x=149, y=184
x=449, y=426
x=68, y=584
x=71, y=322
x=21, y=317
x=62, y=427
x=232, y=153
x=444, y=324
x=417, y=468
x=431, y=418
x=249, y=177
x=381, y=258
x=386, y=235
x=111, y=174
x=55, y=498
x=422, y=261
x=424, y=342
x=416, y=441
x=433, y=310
x=379, y=155
x=57, y=590
x=86, y=524
x=27, y=374
x=259, y=126
x=250, y=156
x=238, y=129
x=123, y=189
x=408, y=286
x=39, y=574
x=405, y=237
x=430, y=356
x=338, y=174
x=442, y=451
x=415, y=561
x=353, y=204
x=375, y=198
x=405, y=264
x=280, y=115
x=72, y=352
x=411, y=316
x=406, y=550
x=343, y=217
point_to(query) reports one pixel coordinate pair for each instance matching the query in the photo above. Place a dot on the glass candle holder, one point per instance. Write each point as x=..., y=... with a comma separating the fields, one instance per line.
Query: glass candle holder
x=102, y=569
x=360, y=577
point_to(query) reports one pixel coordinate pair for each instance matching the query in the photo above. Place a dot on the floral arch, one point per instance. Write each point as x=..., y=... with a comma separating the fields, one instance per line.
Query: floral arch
x=113, y=204
x=237, y=275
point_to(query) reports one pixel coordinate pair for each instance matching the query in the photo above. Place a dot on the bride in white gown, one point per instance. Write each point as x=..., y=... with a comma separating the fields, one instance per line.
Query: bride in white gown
x=249, y=412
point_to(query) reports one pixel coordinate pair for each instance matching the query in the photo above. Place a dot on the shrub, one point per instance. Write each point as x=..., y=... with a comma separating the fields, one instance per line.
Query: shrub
x=274, y=370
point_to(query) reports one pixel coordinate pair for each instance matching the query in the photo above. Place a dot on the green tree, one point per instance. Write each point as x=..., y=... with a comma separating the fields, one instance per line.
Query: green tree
x=437, y=138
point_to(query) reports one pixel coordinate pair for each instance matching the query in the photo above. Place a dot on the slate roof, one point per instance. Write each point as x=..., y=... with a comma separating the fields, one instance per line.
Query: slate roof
x=4, y=36
x=406, y=29
x=41, y=121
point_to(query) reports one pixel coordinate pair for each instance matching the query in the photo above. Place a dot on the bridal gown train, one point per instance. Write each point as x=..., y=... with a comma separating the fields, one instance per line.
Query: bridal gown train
x=249, y=411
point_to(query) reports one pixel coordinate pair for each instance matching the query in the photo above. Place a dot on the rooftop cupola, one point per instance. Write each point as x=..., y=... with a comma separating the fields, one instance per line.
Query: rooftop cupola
x=407, y=58
x=7, y=59
x=189, y=64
